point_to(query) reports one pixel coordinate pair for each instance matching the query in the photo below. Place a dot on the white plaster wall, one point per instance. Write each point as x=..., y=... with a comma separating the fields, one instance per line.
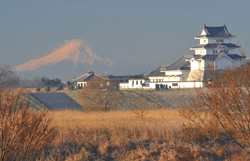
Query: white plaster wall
x=123, y=86
x=208, y=64
x=191, y=84
x=169, y=84
x=231, y=51
x=152, y=85
x=227, y=41
x=209, y=52
x=156, y=79
x=194, y=65
x=200, y=52
x=197, y=65
x=203, y=41
x=224, y=63
x=177, y=72
x=202, y=65
x=180, y=84
x=203, y=32
x=224, y=40
x=185, y=75
x=166, y=79
x=173, y=78
x=139, y=85
x=82, y=84
x=211, y=41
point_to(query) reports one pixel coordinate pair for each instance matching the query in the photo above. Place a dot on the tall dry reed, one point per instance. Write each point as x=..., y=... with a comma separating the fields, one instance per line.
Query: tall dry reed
x=158, y=124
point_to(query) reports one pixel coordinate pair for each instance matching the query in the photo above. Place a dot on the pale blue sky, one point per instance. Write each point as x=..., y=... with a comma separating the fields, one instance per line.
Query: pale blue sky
x=145, y=32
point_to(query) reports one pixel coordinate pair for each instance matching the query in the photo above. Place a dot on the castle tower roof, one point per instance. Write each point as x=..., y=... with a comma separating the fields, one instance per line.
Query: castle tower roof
x=214, y=32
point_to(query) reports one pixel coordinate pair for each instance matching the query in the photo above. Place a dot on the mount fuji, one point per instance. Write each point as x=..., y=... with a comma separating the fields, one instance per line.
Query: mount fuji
x=72, y=59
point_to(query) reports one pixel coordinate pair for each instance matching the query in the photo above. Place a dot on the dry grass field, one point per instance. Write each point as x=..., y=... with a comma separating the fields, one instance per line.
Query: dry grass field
x=121, y=135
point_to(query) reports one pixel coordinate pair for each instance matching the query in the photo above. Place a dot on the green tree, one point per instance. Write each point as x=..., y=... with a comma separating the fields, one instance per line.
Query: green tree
x=60, y=87
x=47, y=88
x=69, y=83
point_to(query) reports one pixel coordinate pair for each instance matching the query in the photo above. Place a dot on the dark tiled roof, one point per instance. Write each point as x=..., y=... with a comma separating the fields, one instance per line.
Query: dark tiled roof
x=85, y=77
x=220, y=31
x=211, y=46
x=119, y=78
x=181, y=64
x=220, y=55
x=214, y=57
x=235, y=56
x=157, y=72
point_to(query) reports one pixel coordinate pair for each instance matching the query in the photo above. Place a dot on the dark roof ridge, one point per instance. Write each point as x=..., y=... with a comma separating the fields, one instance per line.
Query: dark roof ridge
x=178, y=60
x=156, y=69
x=220, y=54
x=215, y=31
x=83, y=75
x=225, y=28
x=175, y=62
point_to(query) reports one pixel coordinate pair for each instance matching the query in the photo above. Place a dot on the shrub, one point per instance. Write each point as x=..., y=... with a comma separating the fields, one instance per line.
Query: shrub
x=24, y=134
x=60, y=87
x=38, y=89
x=221, y=117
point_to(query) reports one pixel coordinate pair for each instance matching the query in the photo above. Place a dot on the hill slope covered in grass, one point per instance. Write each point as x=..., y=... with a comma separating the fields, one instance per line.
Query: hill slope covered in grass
x=156, y=98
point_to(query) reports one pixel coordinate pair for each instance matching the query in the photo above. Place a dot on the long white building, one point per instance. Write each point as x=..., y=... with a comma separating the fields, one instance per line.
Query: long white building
x=214, y=50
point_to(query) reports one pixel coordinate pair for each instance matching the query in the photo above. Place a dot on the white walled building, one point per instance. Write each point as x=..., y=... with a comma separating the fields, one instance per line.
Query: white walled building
x=214, y=50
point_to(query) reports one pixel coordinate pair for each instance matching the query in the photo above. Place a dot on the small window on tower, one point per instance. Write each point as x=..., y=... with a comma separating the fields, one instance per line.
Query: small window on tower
x=205, y=41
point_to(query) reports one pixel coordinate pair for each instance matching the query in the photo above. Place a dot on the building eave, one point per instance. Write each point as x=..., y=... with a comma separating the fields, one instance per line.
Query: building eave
x=212, y=37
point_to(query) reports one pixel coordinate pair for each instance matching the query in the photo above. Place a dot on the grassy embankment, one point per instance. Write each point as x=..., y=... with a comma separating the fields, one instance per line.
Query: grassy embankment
x=157, y=98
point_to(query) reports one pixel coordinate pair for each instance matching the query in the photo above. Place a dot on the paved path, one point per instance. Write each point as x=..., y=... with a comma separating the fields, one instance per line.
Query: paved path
x=57, y=101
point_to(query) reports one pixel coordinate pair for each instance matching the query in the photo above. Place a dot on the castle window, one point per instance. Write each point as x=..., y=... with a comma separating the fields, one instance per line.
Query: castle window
x=205, y=41
x=226, y=51
x=219, y=40
x=215, y=51
x=175, y=84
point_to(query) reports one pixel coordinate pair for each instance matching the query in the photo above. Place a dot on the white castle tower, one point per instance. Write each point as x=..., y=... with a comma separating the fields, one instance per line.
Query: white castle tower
x=215, y=49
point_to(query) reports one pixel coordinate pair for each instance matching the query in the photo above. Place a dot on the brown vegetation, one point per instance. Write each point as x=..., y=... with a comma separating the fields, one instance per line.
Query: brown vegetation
x=24, y=134
x=8, y=78
x=121, y=135
x=220, y=118
x=116, y=135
